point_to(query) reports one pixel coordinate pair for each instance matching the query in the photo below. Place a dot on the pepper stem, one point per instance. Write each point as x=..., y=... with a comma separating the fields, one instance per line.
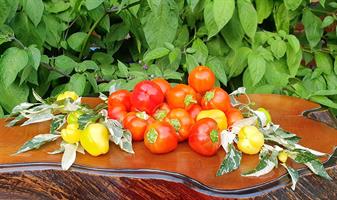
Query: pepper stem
x=152, y=135
x=189, y=99
x=176, y=124
x=209, y=95
x=214, y=136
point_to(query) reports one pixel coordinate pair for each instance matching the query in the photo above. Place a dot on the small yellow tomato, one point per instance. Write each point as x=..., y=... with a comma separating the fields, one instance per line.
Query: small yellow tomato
x=250, y=140
x=283, y=156
x=67, y=94
x=215, y=114
x=71, y=134
x=73, y=117
x=95, y=139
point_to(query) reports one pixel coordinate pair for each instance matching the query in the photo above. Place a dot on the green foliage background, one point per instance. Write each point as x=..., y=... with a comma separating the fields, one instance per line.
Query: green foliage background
x=269, y=46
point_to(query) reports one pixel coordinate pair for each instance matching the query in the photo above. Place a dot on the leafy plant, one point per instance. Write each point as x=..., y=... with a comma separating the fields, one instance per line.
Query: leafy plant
x=268, y=46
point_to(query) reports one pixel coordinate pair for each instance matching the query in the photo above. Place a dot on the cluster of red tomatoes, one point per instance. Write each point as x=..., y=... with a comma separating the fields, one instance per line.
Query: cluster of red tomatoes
x=163, y=116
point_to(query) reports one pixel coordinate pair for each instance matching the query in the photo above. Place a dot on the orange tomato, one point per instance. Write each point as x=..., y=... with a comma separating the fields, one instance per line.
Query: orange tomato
x=201, y=79
x=181, y=121
x=181, y=96
x=233, y=115
x=216, y=98
x=163, y=84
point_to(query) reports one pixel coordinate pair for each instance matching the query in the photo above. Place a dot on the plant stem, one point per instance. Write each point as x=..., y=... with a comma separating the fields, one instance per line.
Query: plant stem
x=113, y=9
x=45, y=65
x=19, y=42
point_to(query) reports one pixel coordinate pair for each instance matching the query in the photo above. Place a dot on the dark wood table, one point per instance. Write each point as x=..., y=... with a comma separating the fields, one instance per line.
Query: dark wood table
x=181, y=174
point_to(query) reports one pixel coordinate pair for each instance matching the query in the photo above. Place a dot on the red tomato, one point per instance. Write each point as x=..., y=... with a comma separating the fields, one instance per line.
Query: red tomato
x=201, y=79
x=147, y=96
x=216, y=98
x=181, y=96
x=136, y=123
x=160, y=137
x=194, y=110
x=163, y=84
x=122, y=96
x=233, y=115
x=117, y=111
x=162, y=112
x=181, y=121
x=205, y=137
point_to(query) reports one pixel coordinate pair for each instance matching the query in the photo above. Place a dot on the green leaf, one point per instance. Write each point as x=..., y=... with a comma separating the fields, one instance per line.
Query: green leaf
x=333, y=4
x=317, y=168
x=223, y=12
x=324, y=101
x=281, y=17
x=324, y=62
x=169, y=74
x=256, y=67
x=335, y=65
x=92, y=4
x=279, y=48
x=248, y=17
x=92, y=80
x=77, y=83
x=76, y=40
x=293, y=174
x=37, y=142
x=191, y=62
x=293, y=60
x=123, y=70
x=302, y=156
x=218, y=68
x=328, y=20
x=64, y=64
x=160, y=24
x=11, y=63
x=277, y=73
x=117, y=32
x=263, y=9
x=233, y=32
x=13, y=95
x=56, y=7
x=192, y=4
x=292, y=4
x=312, y=27
x=238, y=60
x=5, y=6
x=6, y=33
x=34, y=10
x=201, y=51
x=231, y=162
x=86, y=65
x=293, y=42
x=34, y=55
x=155, y=54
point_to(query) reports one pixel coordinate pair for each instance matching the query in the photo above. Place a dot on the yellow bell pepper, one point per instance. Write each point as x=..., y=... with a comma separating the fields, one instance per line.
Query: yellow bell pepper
x=283, y=156
x=217, y=115
x=250, y=140
x=67, y=94
x=71, y=134
x=95, y=139
x=73, y=117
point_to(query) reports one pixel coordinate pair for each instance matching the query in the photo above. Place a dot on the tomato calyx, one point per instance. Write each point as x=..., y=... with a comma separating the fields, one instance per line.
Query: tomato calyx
x=189, y=99
x=152, y=136
x=214, y=134
x=176, y=124
x=160, y=115
x=142, y=115
x=209, y=95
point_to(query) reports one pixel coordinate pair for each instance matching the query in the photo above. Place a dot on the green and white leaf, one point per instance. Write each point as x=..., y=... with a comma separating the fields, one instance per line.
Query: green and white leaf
x=69, y=155
x=264, y=167
x=39, y=117
x=57, y=122
x=231, y=162
x=293, y=175
x=317, y=168
x=37, y=142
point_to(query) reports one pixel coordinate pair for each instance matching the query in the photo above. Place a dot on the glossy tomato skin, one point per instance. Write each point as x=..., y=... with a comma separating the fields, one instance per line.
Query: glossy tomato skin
x=147, y=96
x=122, y=96
x=136, y=125
x=205, y=137
x=233, y=115
x=216, y=98
x=160, y=137
x=201, y=79
x=181, y=121
x=163, y=84
x=194, y=110
x=181, y=96
x=161, y=112
x=117, y=111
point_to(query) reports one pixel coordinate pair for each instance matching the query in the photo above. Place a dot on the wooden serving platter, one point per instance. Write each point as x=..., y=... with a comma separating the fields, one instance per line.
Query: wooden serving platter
x=179, y=174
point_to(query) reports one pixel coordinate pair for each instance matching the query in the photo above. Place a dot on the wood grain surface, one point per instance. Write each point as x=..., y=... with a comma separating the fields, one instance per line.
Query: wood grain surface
x=181, y=174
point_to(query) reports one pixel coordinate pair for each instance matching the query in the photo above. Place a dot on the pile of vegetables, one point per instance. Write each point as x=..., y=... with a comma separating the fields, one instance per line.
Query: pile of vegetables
x=162, y=116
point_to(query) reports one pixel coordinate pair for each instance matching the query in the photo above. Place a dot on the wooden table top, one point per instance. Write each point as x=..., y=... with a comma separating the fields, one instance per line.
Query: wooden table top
x=189, y=170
